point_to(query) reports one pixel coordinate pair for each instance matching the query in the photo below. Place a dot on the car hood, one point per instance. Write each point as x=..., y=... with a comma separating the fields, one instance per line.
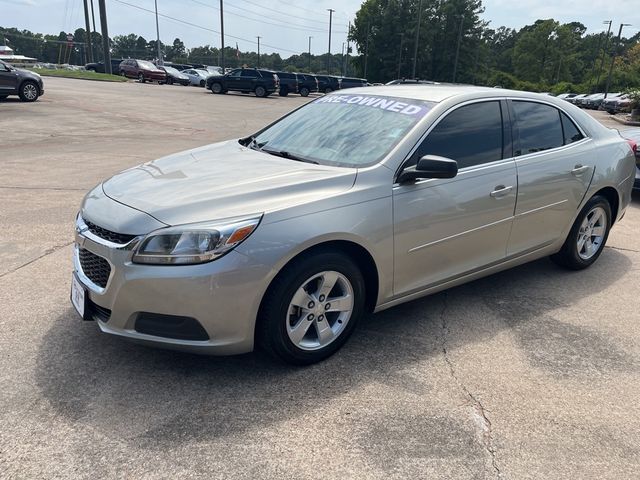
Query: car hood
x=223, y=180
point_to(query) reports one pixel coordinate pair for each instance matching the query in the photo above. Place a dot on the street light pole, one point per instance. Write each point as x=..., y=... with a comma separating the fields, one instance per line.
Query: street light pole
x=88, y=49
x=222, y=35
x=258, y=51
x=310, y=54
x=366, y=52
x=415, y=47
x=329, y=56
x=613, y=57
x=105, y=36
x=604, y=51
x=160, y=59
x=400, y=54
x=455, y=63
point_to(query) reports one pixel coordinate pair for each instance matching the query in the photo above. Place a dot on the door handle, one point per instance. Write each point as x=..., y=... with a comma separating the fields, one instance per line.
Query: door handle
x=501, y=191
x=580, y=169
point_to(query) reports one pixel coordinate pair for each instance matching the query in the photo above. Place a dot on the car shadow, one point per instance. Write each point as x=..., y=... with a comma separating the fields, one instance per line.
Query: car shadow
x=156, y=399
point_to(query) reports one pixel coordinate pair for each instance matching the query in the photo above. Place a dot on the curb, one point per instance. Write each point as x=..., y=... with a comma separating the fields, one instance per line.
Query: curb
x=76, y=78
x=624, y=121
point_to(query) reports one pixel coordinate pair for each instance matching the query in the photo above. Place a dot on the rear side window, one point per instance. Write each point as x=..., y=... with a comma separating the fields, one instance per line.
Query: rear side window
x=248, y=73
x=471, y=135
x=570, y=131
x=539, y=127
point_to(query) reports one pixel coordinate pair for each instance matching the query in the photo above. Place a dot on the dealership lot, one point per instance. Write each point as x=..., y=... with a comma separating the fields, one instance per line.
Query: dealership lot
x=531, y=373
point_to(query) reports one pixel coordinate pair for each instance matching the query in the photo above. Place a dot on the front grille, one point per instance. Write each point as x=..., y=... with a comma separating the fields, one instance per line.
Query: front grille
x=96, y=268
x=108, y=234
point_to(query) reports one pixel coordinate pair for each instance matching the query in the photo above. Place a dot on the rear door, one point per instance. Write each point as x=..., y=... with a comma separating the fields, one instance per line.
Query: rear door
x=248, y=79
x=555, y=163
x=444, y=228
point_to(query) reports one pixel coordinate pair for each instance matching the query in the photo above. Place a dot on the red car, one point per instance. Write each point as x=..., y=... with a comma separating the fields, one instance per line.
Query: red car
x=142, y=70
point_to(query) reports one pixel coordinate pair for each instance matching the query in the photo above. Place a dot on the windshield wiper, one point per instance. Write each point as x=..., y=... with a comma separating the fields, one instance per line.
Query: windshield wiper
x=290, y=156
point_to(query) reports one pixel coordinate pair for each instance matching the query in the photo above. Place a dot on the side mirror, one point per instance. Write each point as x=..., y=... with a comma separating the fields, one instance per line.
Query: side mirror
x=430, y=166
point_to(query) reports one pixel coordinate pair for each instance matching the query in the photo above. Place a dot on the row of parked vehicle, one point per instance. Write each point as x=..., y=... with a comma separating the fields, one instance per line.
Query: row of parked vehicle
x=261, y=82
x=613, y=103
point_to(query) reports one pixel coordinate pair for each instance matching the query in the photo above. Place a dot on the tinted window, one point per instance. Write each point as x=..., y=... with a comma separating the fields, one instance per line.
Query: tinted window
x=471, y=135
x=571, y=132
x=539, y=127
x=235, y=73
x=248, y=73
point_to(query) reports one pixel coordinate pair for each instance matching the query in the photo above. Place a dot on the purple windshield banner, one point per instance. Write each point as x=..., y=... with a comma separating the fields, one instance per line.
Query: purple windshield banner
x=404, y=106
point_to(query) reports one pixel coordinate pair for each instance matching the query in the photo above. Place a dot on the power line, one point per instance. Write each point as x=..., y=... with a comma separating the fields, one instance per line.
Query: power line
x=305, y=9
x=286, y=14
x=204, y=28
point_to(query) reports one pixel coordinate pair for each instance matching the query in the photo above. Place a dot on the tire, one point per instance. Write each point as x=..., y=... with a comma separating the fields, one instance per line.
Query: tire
x=202, y=83
x=304, y=91
x=216, y=87
x=141, y=78
x=2, y=97
x=284, y=91
x=328, y=90
x=122, y=74
x=260, y=91
x=169, y=81
x=278, y=318
x=576, y=253
x=29, y=91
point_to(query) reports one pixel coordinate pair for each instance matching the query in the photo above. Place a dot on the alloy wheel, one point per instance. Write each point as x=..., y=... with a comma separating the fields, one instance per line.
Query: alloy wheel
x=591, y=233
x=30, y=91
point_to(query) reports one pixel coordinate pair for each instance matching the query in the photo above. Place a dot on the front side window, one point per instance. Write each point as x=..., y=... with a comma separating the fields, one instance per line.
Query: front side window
x=235, y=73
x=470, y=135
x=539, y=127
x=344, y=130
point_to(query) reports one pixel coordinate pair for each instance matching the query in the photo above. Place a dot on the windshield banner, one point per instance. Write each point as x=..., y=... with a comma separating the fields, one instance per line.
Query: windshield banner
x=405, y=106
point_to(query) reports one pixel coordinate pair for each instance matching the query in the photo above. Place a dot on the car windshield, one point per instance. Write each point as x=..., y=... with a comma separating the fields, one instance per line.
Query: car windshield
x=203, y=73
x=171, y=70
x=146, y=64
x=344, y=130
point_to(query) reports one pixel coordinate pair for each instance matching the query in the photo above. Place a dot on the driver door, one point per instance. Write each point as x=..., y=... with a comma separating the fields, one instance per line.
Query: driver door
x=446, y=228
x=8, y=80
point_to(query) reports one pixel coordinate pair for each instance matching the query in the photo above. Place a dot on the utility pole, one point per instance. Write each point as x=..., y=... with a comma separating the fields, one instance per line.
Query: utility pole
x=366, y=51
x=105, y=36
x=346, y=62
x=455, y=63
x=258, y=51
x=400, y=54
x=160, y=59
x=613, y=58
x=415, y=47
x=309, y=69
x=88, y=49
x=604, y=51
x=342, y=61
x=595, y=62
x=222, y=36
x=329, y=56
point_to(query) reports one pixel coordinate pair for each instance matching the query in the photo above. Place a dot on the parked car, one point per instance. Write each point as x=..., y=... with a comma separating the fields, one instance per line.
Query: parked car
x=583, y=101
x=99, y=66
x=327, y=83
x=566, y=96
x=596, y=103
x=143, y=70
x=175, y=76
x=616, y=104
x=288, y=83
x=197, y=76
x=26, y=84
x=213, y=70
x=307, y=84
x=348, y=82
x=245, y=80
x=353, y=203
x=576, y=98
x=593, y=101
x=633, y=135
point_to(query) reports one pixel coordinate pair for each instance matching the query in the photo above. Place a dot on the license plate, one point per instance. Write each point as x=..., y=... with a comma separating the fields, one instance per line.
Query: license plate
x=77, y=295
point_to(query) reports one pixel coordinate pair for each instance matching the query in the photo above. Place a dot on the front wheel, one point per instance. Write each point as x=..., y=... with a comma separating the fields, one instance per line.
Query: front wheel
x=587, y=237
x=29, y=92
x=2, y=97
x=312, y=308
x=216, y=87
x=141, y=77
x=169, y=81
x=328, y=90
x=284, y=91
x=304, y=91
x=260, y=91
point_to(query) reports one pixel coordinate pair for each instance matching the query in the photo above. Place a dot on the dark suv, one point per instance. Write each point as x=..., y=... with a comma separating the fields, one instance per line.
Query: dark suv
x=99, y=66
x=347, y=82
x=327, y=83
x=24, y=83
x=288, y=83
x=143, y=70
x=245, y=80
x=307, y=84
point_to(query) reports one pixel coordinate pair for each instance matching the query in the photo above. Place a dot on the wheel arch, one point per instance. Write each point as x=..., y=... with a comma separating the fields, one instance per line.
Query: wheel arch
x=613, y=197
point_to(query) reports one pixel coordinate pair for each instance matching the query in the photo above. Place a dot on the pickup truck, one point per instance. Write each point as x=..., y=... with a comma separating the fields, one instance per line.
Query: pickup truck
x=261, y=82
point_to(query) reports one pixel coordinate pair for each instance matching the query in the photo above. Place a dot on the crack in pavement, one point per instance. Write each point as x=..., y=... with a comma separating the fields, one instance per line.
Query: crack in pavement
x=622, y=249
x=48, y=251
x=479, y=412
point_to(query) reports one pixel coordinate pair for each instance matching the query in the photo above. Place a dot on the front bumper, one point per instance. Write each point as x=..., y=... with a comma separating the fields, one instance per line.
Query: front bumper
x=223, y=296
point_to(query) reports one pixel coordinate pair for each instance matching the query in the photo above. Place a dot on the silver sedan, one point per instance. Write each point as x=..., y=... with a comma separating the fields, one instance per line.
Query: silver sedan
x=197, y=76
x=351, y=204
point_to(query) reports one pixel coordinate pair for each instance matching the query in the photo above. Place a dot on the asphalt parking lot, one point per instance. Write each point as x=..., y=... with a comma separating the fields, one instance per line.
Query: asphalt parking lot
x=531, y=373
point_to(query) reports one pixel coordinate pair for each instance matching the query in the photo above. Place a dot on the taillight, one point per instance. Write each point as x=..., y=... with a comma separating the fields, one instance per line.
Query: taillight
x=633, y=145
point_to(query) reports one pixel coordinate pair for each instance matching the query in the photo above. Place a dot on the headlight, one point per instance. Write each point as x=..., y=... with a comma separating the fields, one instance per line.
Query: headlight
x=194, y=243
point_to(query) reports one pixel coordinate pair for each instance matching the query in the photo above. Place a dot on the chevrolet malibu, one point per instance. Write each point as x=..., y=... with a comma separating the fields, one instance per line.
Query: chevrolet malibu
x=351, y=204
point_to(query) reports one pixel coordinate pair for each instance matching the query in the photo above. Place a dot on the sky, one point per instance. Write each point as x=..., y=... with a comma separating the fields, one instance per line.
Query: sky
x=283, y=25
